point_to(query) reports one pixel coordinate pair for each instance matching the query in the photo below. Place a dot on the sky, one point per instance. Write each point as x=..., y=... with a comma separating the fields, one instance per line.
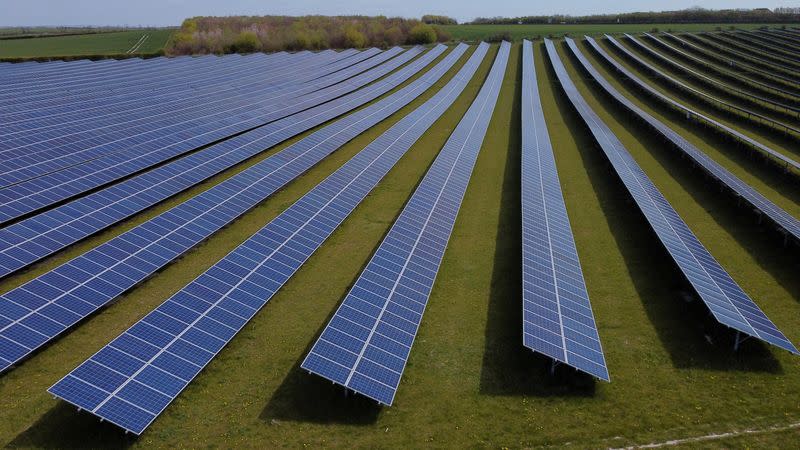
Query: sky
x=172, y=12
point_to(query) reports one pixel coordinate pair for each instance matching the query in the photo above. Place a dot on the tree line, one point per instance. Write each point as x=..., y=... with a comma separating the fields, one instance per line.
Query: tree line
x=691, y=15
x=246, y=34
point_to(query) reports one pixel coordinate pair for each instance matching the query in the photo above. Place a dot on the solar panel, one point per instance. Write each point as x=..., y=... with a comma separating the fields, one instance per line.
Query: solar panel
x=557, y=316
x=770, y=120
x=716, y=53
x=77, y=147
x=65, y=113
x=782, y=103
x=171, y=76
x=761, y=204
x=158, y=356
x=785, y=94
x=731, y=42
x=30, y=240
x=366, y=344
x=728, y=303
x=35, y=194
x=76, y=289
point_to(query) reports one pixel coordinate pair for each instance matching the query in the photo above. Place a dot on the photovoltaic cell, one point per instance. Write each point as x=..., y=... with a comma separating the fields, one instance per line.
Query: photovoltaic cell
x=175, y=341
x=366, y=344
x=729, y=304
x=557, y=316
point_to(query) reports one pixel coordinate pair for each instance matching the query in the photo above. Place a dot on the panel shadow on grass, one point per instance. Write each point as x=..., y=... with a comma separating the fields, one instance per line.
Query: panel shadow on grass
x=508, y=367
x=693, y=338
x=304, y=397
x=63, y=427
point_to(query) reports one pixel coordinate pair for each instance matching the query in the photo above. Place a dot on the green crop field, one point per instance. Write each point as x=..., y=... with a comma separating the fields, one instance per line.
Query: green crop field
x=113, y=43
x=469, y=382
x=478, y=32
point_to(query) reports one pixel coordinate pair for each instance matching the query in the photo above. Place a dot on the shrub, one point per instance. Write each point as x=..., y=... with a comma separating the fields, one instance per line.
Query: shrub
x=438, y=20
x=422, y=34
x=246, y=42
x=393, y=36
x=442, y=35
x=354, y=38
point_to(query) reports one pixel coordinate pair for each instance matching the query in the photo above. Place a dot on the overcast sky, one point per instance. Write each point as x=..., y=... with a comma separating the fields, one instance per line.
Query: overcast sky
x=172, y=12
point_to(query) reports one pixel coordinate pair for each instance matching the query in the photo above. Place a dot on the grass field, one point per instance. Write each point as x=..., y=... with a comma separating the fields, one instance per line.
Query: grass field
x=478, y=32
x=114, y=43
x=469, y=382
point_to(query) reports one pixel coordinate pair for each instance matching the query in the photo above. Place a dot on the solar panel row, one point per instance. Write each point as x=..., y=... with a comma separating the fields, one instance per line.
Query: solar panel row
x=729, y=40
x=781, y=97
x=172, y=76
x=759, y=98
x=762, y=43
x=366, y=344
x=70, y=146
x=713, y=53
x=768, y=119
x=38, y=193
x=695, y=92
x=738, y=135
x=29, y=240
x=717, y=44
x=248, y=77
x=557, y=315
x=169, y=77
x=761, y=204
x=728, y=303
x=131, y=380
x=40, y=310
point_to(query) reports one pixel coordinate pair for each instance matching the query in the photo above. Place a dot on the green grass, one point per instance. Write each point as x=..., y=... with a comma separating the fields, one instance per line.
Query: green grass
x=86, y=44
x=469, y=382
x=481, y=32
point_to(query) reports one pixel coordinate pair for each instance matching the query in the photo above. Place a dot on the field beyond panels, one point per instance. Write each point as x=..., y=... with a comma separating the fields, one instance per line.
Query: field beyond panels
x=468, y=32
x=469, y=382
x=113, y=43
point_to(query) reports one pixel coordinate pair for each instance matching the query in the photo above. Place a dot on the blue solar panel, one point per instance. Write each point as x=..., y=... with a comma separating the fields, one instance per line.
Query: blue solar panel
x=32, y=239
x=783, y=95
x=366, y=344
x=746, y=139
x=769, y=58
x=779, y=104
x=171, y=77
x=557, y=316
x=762, y=117
x=175, y=341
x=52, y=118
x=81, y=147
x=44, y=191
x=729, y=304
x=784, y=220
x=718, y=54
x=95, y=278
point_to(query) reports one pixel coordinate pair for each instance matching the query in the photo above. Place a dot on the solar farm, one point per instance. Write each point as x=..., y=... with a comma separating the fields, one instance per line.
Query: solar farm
x=588, y=241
